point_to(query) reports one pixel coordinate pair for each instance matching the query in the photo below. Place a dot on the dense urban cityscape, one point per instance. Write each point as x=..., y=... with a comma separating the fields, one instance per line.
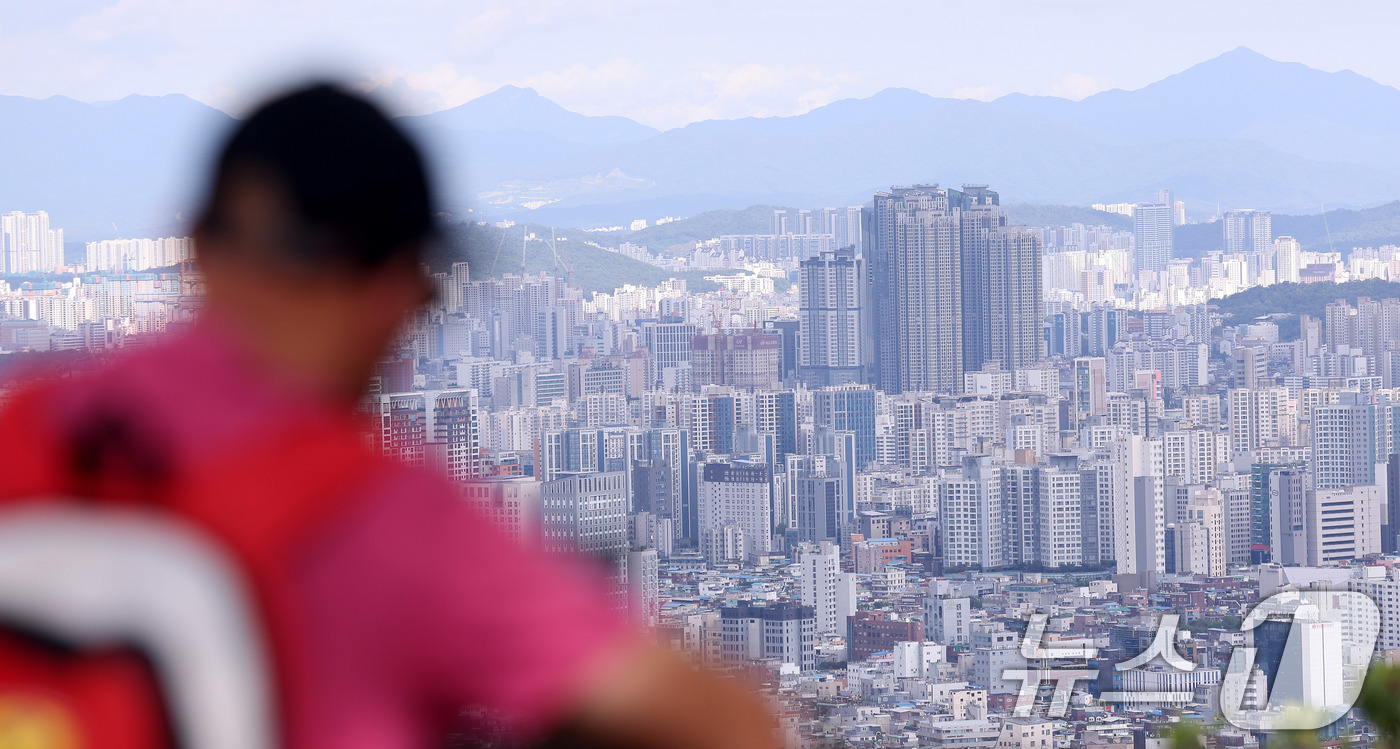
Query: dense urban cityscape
x=890, y=437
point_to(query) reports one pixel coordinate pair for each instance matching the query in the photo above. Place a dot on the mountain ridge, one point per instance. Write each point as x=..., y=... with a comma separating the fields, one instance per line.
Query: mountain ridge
x=1239, y=129
x=516, y=108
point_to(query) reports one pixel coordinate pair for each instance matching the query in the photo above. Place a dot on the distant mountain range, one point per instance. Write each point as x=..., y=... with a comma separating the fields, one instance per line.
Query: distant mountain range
x=1237, y=131
x=512, y=110
x=113, y=169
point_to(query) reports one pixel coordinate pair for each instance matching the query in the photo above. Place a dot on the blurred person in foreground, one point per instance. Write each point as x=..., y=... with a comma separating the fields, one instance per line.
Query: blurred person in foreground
x=198, y=549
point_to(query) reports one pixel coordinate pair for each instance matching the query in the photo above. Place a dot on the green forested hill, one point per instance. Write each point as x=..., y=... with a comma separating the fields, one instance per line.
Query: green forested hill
x=1370, y=227
x=756, y=219
x=1027, y=214
x=1292, y=300
x=493, y=251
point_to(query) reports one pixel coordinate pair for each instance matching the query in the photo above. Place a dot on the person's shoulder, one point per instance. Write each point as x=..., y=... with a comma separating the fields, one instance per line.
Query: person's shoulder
x=75, y=379
x=393, y=494
x=408, y=519
x=43, y=393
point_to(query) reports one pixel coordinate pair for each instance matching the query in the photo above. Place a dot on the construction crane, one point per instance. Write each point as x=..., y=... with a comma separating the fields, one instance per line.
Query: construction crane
x=492, y=273
x=554, y=248
x=552, y=243
x=1330, y=247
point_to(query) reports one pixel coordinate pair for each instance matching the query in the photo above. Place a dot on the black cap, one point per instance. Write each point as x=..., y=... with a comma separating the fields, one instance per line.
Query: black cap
x=356, y=182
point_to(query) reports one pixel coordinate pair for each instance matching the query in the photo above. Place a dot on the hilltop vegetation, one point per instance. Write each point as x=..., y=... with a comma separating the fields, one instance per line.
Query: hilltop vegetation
x=678, y=236
x=1370, y=227
x=1287, y=301
x=494, y=252
x=1026, y=214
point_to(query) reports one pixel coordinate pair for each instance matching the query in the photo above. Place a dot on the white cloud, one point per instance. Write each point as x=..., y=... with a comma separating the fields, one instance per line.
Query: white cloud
x=423, y=91
x=750, y=90
x=664, y=62
x=1076, y=86
x=592, y=89
x=818, y=97
x=980, y=93
x=621, y=86
x=715, y=92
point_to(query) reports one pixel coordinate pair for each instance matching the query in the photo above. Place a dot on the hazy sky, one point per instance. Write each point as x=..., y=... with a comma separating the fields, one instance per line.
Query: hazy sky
x=664, y=63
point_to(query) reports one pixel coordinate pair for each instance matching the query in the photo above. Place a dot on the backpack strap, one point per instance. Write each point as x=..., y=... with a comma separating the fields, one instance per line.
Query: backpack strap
x=266, y=504
x=88, y=578
x=258, y=505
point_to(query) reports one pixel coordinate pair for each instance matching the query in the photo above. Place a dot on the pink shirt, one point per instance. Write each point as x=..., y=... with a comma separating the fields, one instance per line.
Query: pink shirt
x=415, y=605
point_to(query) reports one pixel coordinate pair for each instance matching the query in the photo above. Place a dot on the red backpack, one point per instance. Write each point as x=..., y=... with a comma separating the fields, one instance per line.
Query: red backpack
x=142, y=610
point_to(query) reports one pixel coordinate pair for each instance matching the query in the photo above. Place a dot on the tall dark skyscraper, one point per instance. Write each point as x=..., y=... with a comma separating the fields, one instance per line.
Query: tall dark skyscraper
x=1152, y=236
x=776, y=414
x=1392, y=509
x=1003, y=302
x=848, y=408
x=916, y=280
x=833, y=335
x=953, y=287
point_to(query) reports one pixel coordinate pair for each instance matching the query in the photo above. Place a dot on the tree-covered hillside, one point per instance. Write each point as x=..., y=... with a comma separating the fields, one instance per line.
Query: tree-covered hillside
x=1026, y=214
x=1371, y=227
x=671, y=238
x=1289, y=300
x=494, y=252
x=678, y=236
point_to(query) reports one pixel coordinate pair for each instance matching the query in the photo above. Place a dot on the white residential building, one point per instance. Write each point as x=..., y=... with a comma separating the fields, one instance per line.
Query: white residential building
x=138, y=254
x=825, y=588
x=1343, y=524
x=948, y=621
x=28, y=244
x=740, y=495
